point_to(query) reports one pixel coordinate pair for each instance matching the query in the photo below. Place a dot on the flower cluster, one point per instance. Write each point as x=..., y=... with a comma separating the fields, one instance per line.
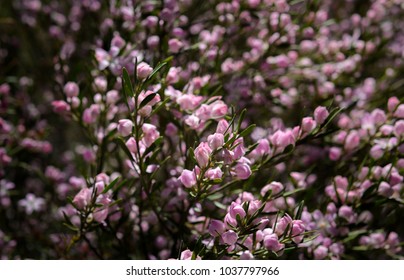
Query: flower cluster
x=237, y=129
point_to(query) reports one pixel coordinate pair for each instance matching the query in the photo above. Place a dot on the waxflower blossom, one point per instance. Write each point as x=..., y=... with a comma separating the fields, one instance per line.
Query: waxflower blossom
x=247, y=130
x=31, y=203
x=125, y=127
x=143, y=70
x=188, y=178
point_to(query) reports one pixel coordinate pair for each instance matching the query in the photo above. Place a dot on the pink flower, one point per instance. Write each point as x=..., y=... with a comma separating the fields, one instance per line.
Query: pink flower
x=272, y=243
x=71, y=89
x=222, y=126
x=334, y=153
x=215, y=141
x=188, y=178
x=91, y=114
x=274, y=187
x=236, y=209
x=308, y=124
x=216, y=228
x=346, y=212
x=125, y=127
x=214, y=173
x=352, y=141
x=392, y=103
x=298, y=228
x=230, y=237
x=218, y=110
x=150, y=134
x=174, y=45
x=202, y=154
x=83, y=198
x=241, y=171
x=399, y=128
x=189, y=101
x=143, y=70
x=187, y=255
x=282, y=139
x=60, y=106
x=385, y=189
x=320, y=252
x=31, y=203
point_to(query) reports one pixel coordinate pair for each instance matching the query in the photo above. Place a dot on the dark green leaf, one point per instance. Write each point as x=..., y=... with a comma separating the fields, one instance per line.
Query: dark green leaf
x=127, y=85
x=147, y=100
x=123, y=146
x=111, y=185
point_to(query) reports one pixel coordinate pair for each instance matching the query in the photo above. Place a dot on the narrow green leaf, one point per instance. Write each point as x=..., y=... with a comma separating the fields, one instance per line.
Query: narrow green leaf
x=240, y=120
x=111, y=185
x=122, y=144
x=147, y=100
x=299, y=211
x=127, y=85
x=160, y=106
x=335, y=112
x=158, y=67
x=247, y=131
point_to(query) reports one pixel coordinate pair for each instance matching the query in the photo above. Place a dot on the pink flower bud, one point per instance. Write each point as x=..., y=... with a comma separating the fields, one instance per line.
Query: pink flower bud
x=298, y=228
x=282, y=139
x=272, y=243
x=241, y=171
x=222, y=126
x=60, y=106
x=229, y=221
x=320, y=252
x=283, y=224
x=376, y=151
x=187, y=255
x=216, y=228
x=218, y=110
x=392, y=104
x=399, y=113
x=83, y=198
x=202, y=154
x=215, y=141
x=188, y=178
x=274, y=187
x=100, y=84
x=189, y=101
x=399, y=128
x=230, y=237
x=150, y=134
x=125, y=127
x=385, y=189
x=236, y=209
x=214, y=173
x=71, y=89
x=346, y=212
x=352, y=141
x=143, y=70
x=320, y=114
x=308, y=124
x=175, y=45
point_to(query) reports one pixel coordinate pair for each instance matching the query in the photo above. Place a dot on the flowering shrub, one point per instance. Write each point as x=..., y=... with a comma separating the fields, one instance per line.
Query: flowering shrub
x=243, y=129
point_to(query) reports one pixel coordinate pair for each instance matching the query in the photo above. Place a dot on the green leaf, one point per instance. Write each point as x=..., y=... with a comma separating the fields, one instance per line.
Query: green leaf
x=299, y=210
x=111, y=185
x=147, y=99
x=123, y=146
x=127, y=85
x=160, y=106
x=158, y=67
x=240, y=120
x=335, y=112
x=247, y=131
